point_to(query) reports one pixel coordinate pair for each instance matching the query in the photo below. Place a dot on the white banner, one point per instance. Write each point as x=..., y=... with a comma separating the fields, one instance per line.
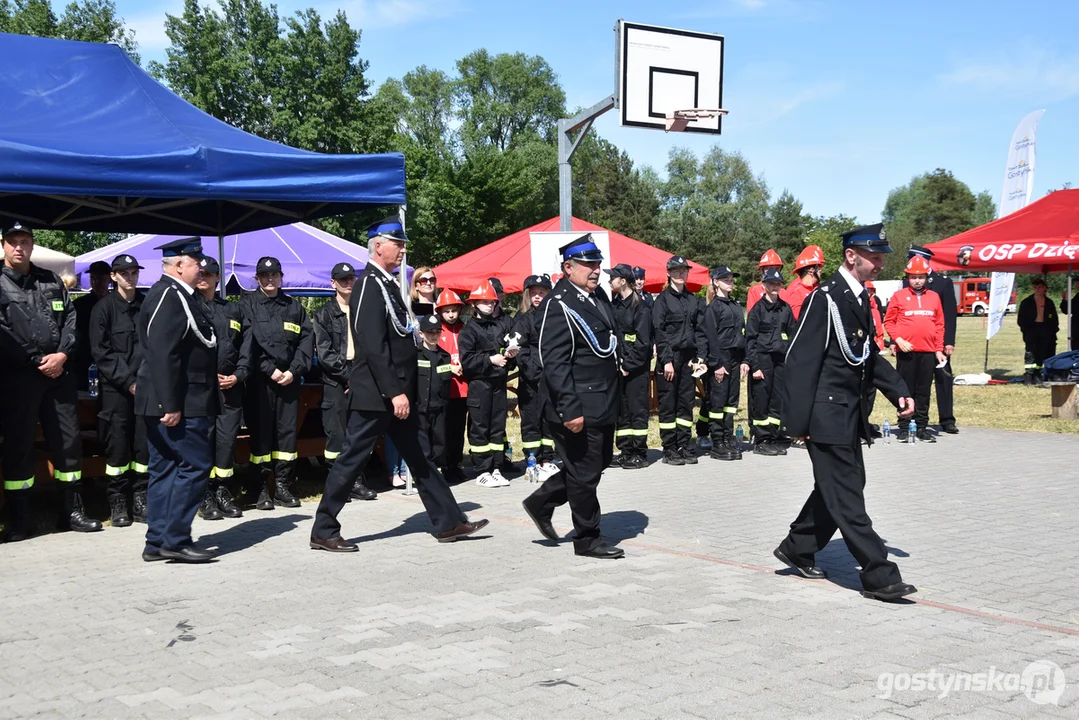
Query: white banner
x=1018, y=184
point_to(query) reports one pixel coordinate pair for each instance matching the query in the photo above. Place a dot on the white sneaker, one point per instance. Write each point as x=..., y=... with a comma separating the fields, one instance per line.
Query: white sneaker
x=502, y=481
x=488, y=480
x=546, y=470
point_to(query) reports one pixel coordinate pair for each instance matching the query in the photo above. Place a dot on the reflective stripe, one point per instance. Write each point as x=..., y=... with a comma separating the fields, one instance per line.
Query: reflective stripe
x=217, y=472
x=717, y=415
x=292, y=328
x=731, y=410
x=530, y=444
x=685, y=423
x=702, y=417
x=444, y=369
x=623, y=433
x=759, y=423
x=330, y=454
x=783, y=335
x=260, y=459
x=639, y=433
x=548, y=442
x=630, y=337
x=139, y=468
x=666, y=426
x=67, y=476
x=235, y=325
x=19, y=484
x=277, y=455
x=774, y=421
x=479, y=449
x=1033, y=366
x=423, y=363
x=116, y=470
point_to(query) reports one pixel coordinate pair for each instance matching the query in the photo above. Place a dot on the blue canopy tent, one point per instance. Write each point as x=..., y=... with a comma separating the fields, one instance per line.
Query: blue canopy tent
x=89, y=141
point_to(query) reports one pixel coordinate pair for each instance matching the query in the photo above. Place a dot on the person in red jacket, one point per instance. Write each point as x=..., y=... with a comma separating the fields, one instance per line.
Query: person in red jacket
x=915, y=322
x=769, y=261
x=808, y=266
x=449, y=306
x=876, y=309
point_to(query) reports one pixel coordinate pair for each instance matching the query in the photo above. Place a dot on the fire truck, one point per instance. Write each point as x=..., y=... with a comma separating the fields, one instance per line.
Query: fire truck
x=972, y=296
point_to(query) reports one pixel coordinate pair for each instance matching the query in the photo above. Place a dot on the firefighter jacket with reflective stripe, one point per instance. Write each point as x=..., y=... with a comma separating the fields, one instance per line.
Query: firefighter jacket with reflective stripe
x=113, y=340
x=433, y=374
x=721, y=333
x=769, y=328
x=36, y=317
x=278, y=332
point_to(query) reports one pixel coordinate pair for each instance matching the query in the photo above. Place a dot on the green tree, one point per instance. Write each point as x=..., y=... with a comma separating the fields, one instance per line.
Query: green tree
x=985, y=208
x=789, y=226
x=608, y=191
x=827, y=233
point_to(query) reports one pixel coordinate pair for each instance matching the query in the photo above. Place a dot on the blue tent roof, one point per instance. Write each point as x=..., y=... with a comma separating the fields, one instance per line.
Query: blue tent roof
x=89, y=141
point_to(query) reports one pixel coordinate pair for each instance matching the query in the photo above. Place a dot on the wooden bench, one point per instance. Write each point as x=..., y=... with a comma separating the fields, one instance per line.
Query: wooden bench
x=1065, y=398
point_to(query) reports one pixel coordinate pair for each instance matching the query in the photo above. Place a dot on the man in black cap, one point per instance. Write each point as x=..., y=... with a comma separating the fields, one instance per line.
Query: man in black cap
x=382, y=396
x=942, y=376
x=100, y=273
x=233, y=367
x=638, y=286
x=37, y=335
x=634, y=329
x=831, y=361
x=114, y=346
x=577, y=349
x=278, y=331
x=336, y=355
x=176, y=393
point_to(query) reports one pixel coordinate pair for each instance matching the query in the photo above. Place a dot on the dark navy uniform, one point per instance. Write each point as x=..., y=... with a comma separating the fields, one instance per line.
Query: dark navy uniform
x=831, y=361
x=534, y=435
x=634, y=328
x=769, y=328
x=433, y=397
x=721, y=336
x=674, y=326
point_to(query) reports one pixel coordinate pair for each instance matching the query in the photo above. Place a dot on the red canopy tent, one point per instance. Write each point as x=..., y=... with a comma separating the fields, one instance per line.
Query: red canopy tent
x=1042, y=237
x=510, y=260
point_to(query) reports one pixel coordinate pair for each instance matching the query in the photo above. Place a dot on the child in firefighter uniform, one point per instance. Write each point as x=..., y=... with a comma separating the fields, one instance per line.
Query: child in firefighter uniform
x=535, y=439
x=633, y=325
x=674, y=327
x=448, y=308
x=769, y=328
x=915, y=322
x=770, y=260
x=433, y=372
x=721, y=343
x=808, y=268
x=487, y=356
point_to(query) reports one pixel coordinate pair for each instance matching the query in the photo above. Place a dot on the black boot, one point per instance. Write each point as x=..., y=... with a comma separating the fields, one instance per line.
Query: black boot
x=673, y=457
x=689, y=455
x=138, y=506
x=226, y=504
x=283, y=495
x=361, y=491
x=118, y=506
x=209, y=510
x=73, y=515
x=18, y=515
x=265, y=502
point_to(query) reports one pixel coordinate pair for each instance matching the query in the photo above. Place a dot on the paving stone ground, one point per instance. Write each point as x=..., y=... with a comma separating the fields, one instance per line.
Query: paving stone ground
x=698, y=621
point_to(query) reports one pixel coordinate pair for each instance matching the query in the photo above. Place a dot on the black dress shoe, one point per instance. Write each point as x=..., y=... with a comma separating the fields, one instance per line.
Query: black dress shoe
x=925, y=436
x=362, y=492
x=187, y=554
x=465, y=528
x=542, y=524
x=150, y=554
x=335, y=544
x=891, y=593
x=951, y=429
x=812, y=571
x=601, y=551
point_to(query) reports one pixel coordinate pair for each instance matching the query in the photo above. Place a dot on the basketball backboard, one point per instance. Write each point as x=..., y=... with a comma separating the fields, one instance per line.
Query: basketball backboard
x=665, y=70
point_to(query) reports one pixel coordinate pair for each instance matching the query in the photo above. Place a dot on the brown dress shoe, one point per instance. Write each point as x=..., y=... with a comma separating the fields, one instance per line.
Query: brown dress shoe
x=465, y=528
x=334, y=544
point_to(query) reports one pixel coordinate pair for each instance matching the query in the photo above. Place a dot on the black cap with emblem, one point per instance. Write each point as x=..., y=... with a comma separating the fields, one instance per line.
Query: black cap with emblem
x=16, y=228
x=210, y=266
x=343, y=270
x=583, y=248
x=189, y=246
x=920, y=251
x=543, y=281
x=721, y=272
x=677, y=262
x=430, y=323
x=267, y=265
x=100, y=267
x=621, y=270
x=124, y=262
x=772, y=275
x=867, y=237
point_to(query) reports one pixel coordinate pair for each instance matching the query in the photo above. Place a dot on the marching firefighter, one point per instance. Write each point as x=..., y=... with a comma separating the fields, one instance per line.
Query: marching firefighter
x=279, y=334
x=100, y=274
x=633, y=325
x=449, y=307
x=808, y=267
x=336, y=351
x=113, y=343
x=37, y=333
x=488, y=348
x=769, y=328
x=674, y=327
x=433, y=371
x=1039, y=323
x=721, y=343
x=232, y=372
x=535, y=439
x=770, y=260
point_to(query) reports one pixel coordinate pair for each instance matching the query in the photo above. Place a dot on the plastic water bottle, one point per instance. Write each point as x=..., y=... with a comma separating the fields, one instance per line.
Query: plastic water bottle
x=532, y=472
x=91, y=380
x=739, y=435
x=886, y=431
x=509, y=451
x=912, y=430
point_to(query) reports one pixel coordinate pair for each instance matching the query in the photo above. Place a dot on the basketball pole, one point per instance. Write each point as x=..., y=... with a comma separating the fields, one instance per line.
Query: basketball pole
x=567, y=143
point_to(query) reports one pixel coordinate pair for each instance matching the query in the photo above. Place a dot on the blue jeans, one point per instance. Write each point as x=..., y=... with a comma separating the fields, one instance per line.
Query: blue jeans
x=180, y=462
x=395, y=464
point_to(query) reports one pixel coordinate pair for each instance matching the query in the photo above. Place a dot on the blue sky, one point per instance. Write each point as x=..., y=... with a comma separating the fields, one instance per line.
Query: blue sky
x=839, y=102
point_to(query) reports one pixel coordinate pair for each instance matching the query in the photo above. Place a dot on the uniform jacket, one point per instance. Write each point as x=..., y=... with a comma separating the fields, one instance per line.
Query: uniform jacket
x=114, y=342
x=278, y=332
x=943, y=286
x=825, y=396
x=1028, y=315
x=331, y=343
x=634, y=334
x=227, y=318
x=769, y=328
x=721, y=333
x=917, y=318
x=36, y=317
x=674, y=325
x=79, y=361
x=433, y=379
x=483, y=337
x=448, y=341
x=753, y=296
x=649, y=301
x=527, y=360
x=795, y=295
x=385, y=363
x=576, y=381
x=178, y=371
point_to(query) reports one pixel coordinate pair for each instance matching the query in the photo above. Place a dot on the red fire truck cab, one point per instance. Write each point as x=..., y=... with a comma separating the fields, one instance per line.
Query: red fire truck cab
x=972, y=296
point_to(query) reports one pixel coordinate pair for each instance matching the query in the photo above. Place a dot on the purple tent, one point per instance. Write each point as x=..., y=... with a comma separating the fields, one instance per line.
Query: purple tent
x=307, y=255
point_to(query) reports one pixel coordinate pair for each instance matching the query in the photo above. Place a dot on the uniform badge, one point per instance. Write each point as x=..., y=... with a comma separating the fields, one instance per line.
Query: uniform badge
x=860, y=333
x=883, y=235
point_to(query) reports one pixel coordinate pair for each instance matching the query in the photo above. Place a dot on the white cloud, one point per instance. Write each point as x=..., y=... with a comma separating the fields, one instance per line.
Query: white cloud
x=777, y=108
x=1028, y=72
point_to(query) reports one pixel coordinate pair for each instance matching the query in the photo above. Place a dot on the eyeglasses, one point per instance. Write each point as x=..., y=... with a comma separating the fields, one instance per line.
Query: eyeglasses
x=426, y=281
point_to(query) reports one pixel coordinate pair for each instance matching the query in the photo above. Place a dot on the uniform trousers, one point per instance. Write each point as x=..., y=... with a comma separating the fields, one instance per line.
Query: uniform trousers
x=916, y=369
x=365, y=428
x=534, y=435
x=1040, y=346
x=632, y=433
x=433, y=435
x=180, y=460
x=456, y=423
x=486, y=424
x=223, y=434
x=584, y=456
x=838, y=503
x=29, y=398
x=723, y=395
x=676, y=403
x=943, y=381
x=765, y=395
x=127, y=455
x=334, y=419
x=272, y=412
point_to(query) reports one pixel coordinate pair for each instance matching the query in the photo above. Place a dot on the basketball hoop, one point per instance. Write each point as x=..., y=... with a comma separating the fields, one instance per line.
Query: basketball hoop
x=679, y=119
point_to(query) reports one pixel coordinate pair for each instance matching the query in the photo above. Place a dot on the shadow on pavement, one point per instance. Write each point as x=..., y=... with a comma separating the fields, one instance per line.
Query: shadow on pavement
x=623, y=524
x=247, y=534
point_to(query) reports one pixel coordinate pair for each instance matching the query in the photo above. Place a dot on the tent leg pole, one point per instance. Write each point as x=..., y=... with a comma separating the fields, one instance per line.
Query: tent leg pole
x=986, y=368
x=221, y=263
